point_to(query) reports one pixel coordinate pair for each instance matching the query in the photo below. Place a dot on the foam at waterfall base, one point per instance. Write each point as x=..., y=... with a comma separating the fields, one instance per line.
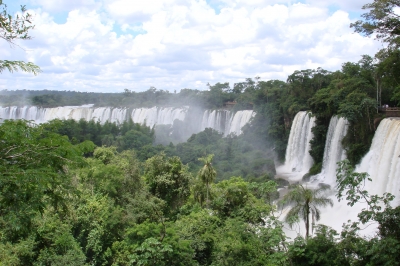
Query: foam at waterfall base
x=285, y=172
x=335, y=217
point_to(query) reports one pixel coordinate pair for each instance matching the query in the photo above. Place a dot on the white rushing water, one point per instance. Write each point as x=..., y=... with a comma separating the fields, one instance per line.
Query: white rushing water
x=298, y=160
x=216, y=119
x=157, y=115
x=382, y=162
x=238, y=121
x=333, y=152
x=42, y=115
x=224, y=121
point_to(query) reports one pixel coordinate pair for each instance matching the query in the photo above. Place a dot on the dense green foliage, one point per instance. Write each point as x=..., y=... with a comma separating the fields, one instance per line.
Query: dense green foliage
x=87, y=205
x=60, y=208
x=234, y=155
x=83, y=193
x=132, y=202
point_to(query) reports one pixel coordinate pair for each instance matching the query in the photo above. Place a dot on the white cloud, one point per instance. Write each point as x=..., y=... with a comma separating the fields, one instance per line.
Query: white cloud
x=65, y=5
x=181, y=44
x=353, y=5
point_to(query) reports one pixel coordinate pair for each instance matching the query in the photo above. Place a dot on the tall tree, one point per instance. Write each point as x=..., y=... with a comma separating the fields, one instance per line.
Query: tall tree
x=382, y=19
x=12, y=29
x=207, y=173
x=305, y=202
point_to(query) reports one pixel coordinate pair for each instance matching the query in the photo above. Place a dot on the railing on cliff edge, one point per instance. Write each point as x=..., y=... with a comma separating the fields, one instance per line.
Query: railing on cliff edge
x=390, y=111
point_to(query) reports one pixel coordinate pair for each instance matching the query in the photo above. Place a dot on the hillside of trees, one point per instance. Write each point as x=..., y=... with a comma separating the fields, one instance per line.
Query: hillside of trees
x=79, y=192
x=83, y=193
x=66, y=201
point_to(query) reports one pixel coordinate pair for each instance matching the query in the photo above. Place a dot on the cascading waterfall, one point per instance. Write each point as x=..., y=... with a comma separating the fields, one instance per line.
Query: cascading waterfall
x=382, y=162
x=221, y=120
x=240, y=119
x=157, y=115
x=216, y=119
x=333, y=152
x=298, y=158
x=226, y=123
x=148, y=116
x=42, y=115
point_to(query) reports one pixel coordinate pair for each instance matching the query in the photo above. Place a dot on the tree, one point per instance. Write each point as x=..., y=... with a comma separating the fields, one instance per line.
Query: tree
x=168, y=179
x=321, y=249
x=381, y=250
x=207, y=173
x=34, y=163
x=382, y=20
x=306, y=201
x=16, y=28
x=352, y=186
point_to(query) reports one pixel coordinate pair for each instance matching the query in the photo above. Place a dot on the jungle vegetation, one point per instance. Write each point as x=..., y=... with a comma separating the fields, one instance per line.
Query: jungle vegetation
x=82, y=193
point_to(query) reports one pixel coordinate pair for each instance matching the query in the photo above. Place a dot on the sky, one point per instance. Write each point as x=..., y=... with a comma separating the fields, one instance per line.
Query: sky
x=112, y=45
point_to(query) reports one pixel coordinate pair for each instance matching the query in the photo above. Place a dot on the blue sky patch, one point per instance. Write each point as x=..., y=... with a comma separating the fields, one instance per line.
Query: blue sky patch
x=215, y=5
x=117, y=28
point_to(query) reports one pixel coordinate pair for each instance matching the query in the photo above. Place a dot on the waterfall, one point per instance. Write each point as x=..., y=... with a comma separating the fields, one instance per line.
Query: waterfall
x=223, y=121
x=157, y=115
x=240, y=119
x=333, y=152
x=216, y=119
x=148, y=116
x=382, y=162
x=298, y=158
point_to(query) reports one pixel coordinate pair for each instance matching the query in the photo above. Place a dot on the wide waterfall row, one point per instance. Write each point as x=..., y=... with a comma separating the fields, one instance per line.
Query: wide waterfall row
x=298, y=158
x=157, y=116
x=382, y=162
x=42, y=115
x=333, y=152
x=221, y=120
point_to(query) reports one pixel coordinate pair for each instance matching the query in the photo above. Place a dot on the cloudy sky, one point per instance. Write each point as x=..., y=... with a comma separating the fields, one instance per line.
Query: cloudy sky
x=110, y=45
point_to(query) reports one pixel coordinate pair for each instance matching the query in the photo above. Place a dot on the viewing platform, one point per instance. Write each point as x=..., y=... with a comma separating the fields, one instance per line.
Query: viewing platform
x=390, y=111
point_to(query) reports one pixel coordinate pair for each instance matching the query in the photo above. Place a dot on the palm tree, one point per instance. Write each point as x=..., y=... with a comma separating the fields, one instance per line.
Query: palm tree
x=207, y=173
x=305, y=201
